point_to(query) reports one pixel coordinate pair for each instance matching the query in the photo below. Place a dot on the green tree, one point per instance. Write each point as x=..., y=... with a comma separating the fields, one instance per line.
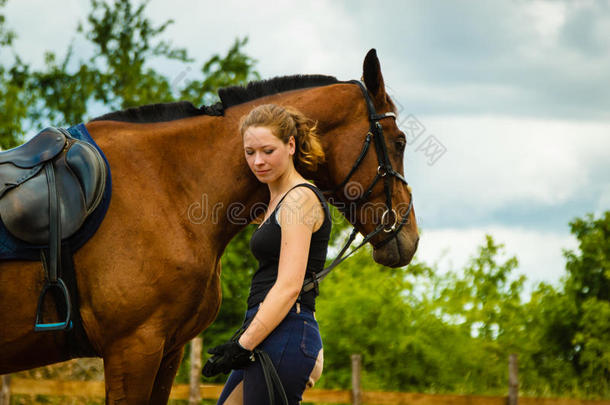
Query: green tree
x=483, y=294
x=484, y=301
x=593, y=344
x=125, y=40
x=218, y=72
x=15, y=103
x=14, y=99
x=567, y=352
x=6, y=35
x=589, y=269
x=588, y=287
x=544, y=364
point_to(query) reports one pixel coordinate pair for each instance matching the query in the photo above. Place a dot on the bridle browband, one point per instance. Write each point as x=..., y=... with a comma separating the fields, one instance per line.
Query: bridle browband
x=384, y=171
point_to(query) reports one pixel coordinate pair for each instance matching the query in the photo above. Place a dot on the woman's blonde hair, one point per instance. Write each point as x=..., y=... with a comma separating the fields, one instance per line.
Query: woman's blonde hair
x=285, y=122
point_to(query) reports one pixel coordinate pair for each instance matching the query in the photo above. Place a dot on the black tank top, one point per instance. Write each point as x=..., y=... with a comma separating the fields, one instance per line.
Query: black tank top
x=265, y=246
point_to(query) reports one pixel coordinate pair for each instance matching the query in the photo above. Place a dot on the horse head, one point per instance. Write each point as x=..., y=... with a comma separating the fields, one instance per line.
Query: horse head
x=364, y=173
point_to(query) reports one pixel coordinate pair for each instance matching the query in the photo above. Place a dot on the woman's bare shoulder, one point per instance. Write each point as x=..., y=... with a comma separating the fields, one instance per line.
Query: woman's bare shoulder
x=301, y=205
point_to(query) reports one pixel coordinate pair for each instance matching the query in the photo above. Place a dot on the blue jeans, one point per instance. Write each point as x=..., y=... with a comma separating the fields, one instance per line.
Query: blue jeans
x=293, y=347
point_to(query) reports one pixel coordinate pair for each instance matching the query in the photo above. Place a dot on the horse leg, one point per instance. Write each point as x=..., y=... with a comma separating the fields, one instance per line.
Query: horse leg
x=165, y=376
x=130, y=368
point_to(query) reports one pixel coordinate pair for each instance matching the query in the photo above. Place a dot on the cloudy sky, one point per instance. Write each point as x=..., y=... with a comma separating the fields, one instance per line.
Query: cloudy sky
x=506, y=104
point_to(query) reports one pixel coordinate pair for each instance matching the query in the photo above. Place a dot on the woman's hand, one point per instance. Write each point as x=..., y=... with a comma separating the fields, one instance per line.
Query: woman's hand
x=227, y=357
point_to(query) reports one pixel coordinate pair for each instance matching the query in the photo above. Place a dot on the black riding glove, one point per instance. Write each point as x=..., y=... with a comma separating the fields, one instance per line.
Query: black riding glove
x=226, y=357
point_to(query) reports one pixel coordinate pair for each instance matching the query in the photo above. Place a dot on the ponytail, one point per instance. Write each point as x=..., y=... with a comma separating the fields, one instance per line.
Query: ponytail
x=285, y=122
x=309, y=152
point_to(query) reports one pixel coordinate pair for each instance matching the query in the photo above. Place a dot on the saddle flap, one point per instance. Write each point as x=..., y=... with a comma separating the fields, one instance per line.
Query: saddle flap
x=25, y=209
x=79, y=174
x=43, y=147
x=16, y=209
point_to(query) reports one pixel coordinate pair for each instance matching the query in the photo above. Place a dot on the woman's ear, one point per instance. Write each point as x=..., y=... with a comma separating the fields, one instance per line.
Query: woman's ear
x=291, y=145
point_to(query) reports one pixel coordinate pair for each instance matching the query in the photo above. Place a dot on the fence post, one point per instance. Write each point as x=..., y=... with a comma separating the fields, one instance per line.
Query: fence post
x=5, y=389
x=513, y=380
x=194, y=394
x=356, y=391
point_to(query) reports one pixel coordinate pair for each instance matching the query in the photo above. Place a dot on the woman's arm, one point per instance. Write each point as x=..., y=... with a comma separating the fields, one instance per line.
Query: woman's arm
x=297, y=216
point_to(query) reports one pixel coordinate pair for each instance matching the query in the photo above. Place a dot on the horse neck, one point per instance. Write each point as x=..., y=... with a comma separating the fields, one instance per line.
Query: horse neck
x=192, y=170
x=219, y=190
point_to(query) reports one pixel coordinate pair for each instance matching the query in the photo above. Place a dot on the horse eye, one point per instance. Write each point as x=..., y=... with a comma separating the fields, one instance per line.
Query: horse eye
x=400, y=145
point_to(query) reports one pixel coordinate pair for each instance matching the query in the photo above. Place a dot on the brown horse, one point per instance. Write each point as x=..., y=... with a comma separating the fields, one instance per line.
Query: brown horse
x=149, y=279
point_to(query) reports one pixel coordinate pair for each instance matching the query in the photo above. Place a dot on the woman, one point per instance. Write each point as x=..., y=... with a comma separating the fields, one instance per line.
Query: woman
x=290, y=244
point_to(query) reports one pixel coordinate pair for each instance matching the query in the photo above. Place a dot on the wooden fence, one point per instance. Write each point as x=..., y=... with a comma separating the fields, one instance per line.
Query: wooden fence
x=95, y=389
x=356, y=396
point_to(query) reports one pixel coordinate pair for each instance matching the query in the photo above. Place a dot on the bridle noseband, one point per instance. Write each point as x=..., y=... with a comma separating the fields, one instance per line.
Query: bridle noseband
x=385, y=172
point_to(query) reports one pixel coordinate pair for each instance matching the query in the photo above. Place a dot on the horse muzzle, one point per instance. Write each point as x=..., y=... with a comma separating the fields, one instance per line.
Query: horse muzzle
x=398, y=251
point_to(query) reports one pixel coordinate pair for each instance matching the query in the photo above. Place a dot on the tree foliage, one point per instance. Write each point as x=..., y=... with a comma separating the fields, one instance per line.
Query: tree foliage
x=14, y=100
x=125, y=40
x=6, y=35
x=587, y=289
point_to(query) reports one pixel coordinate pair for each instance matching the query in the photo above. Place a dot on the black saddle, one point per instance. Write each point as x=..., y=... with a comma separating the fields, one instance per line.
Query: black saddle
x=48, y=187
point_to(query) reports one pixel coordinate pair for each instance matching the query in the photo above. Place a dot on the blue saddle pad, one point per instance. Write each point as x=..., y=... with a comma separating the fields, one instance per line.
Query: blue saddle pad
x=12, y=248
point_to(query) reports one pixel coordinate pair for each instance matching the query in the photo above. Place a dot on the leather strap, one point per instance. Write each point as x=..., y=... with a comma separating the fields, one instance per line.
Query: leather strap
x=272, y=379
x=52, y=264
x=54, y=224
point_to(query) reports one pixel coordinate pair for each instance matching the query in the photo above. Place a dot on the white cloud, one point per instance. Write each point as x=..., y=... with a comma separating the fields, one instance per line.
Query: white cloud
x=43, y=26
x=603, y=204
x=285, y=37
x=492, y=163
x=547, y=18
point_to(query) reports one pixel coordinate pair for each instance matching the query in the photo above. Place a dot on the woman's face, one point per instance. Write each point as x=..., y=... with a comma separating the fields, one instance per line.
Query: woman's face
x=266, y=154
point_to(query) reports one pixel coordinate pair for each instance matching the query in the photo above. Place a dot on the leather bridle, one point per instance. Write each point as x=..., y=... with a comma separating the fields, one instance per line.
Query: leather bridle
x=385, y=172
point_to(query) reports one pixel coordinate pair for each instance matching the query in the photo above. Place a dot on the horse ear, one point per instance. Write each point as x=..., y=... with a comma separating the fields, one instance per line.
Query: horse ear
x=371, y=73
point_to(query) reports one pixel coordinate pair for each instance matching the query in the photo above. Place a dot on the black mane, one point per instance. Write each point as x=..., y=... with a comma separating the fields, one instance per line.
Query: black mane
x=160, y=112
x=234, y=95
x=229, y=96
